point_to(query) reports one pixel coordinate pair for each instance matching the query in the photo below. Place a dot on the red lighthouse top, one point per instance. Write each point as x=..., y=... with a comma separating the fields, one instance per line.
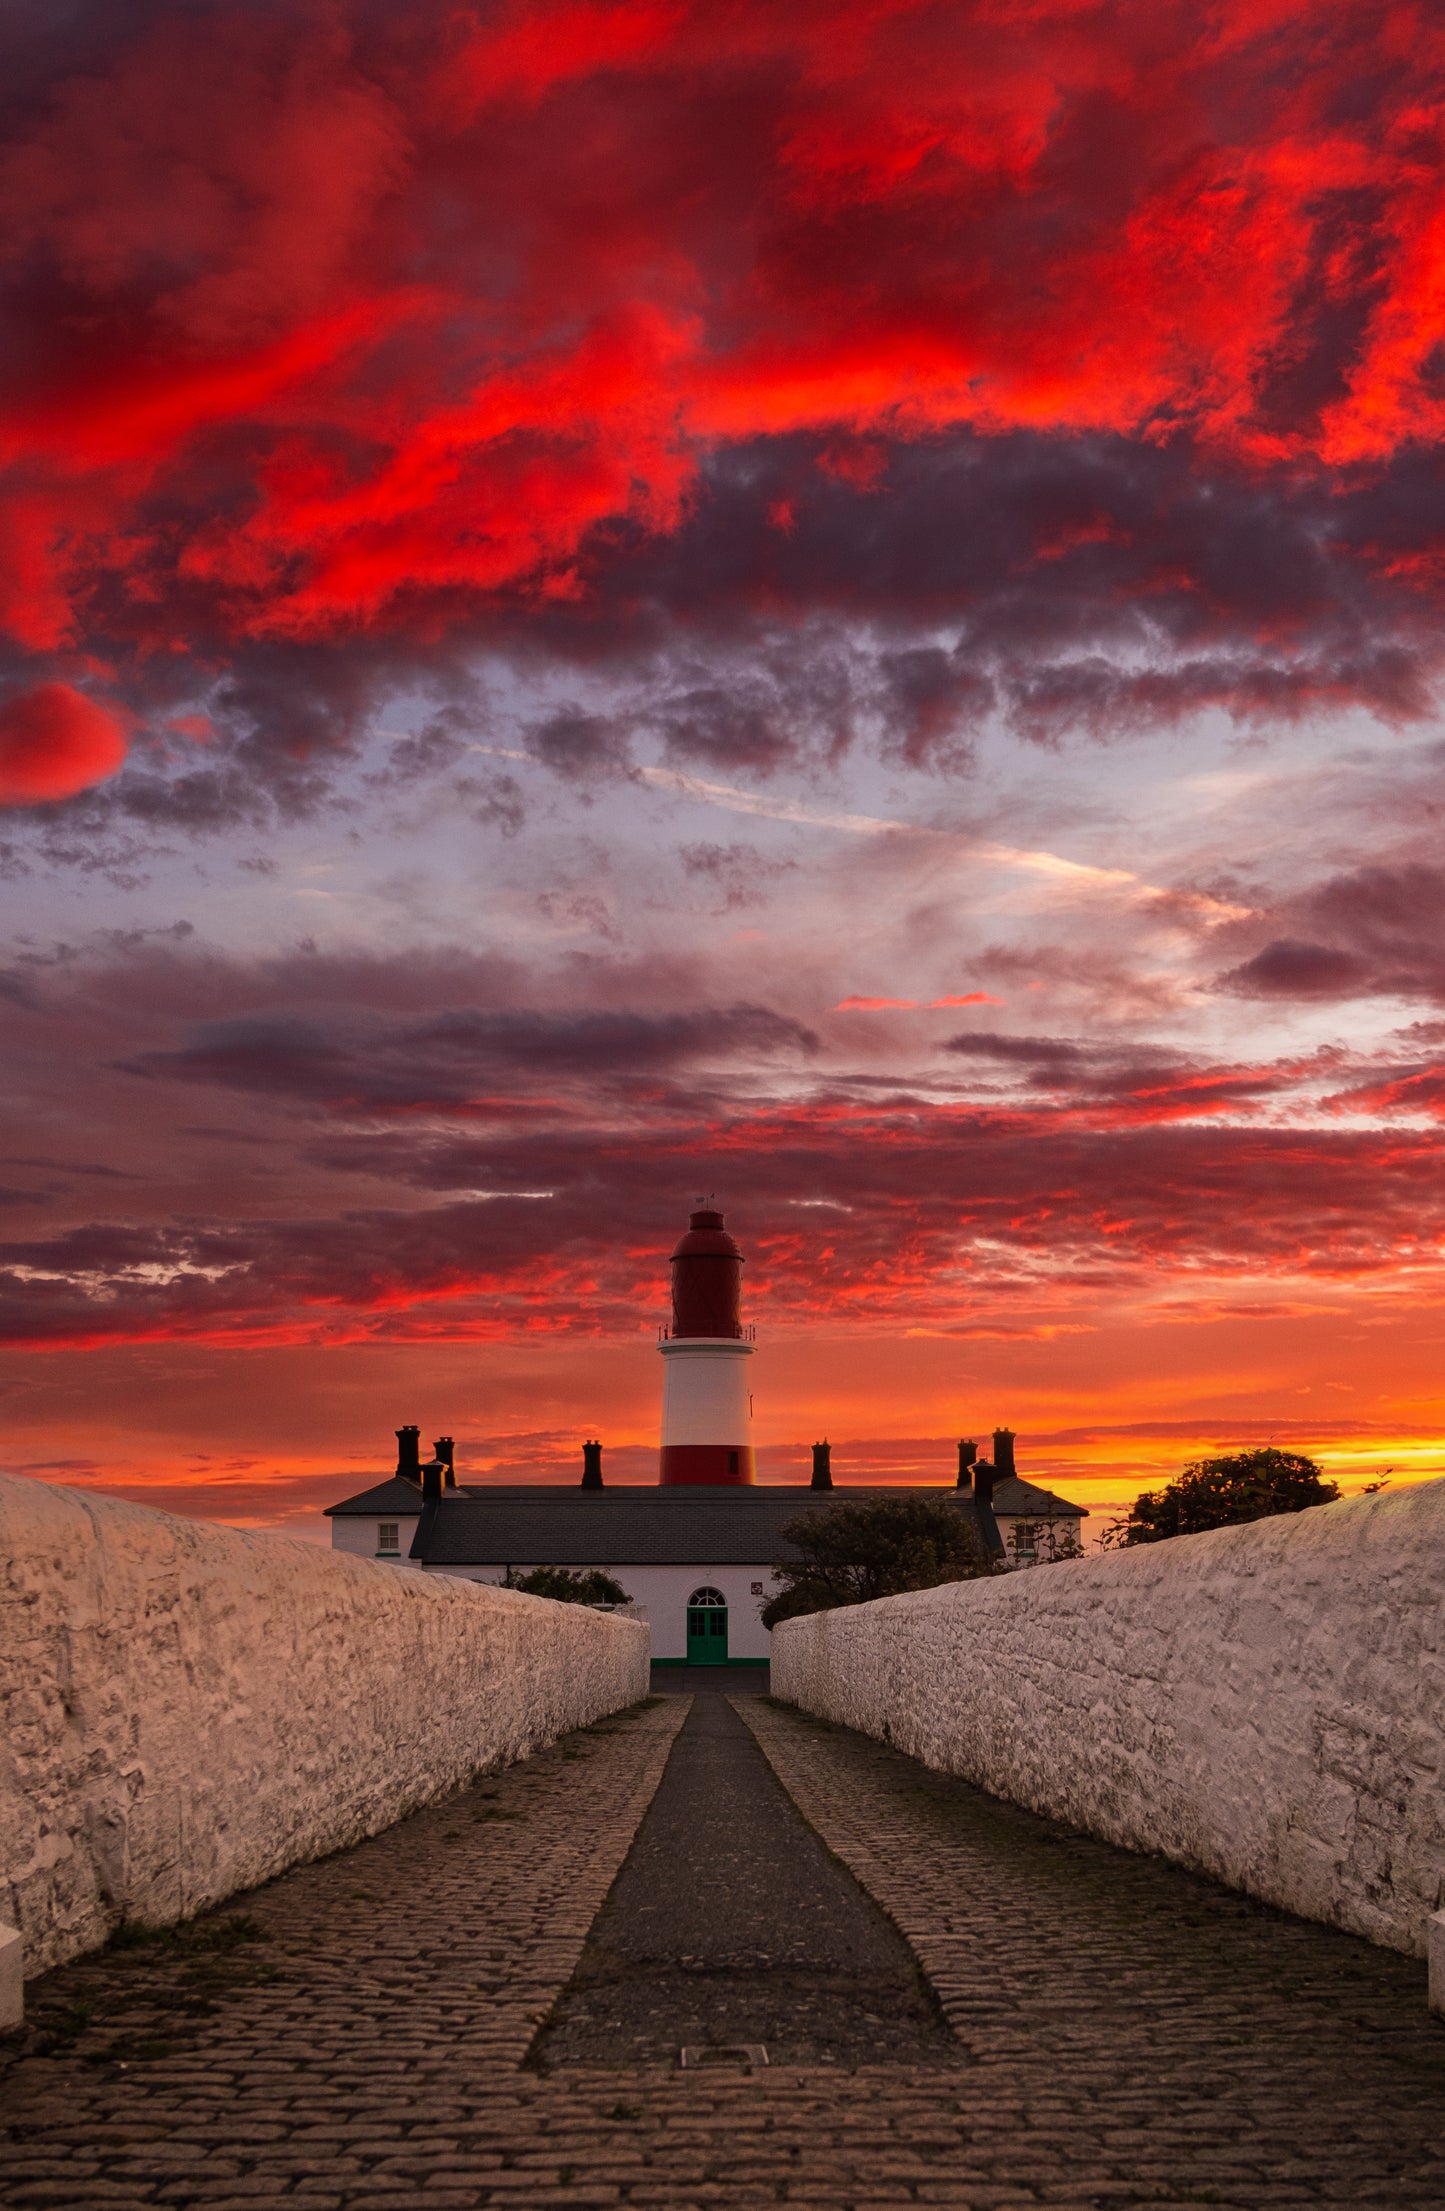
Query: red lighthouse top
x=707, y=1279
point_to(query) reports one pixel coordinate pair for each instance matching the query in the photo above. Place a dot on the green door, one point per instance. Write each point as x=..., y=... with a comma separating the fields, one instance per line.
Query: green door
x=707, y=1628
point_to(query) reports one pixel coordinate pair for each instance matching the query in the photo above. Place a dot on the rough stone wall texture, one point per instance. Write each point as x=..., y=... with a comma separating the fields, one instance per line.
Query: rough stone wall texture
x=1265, y=1704
x=186, y=1710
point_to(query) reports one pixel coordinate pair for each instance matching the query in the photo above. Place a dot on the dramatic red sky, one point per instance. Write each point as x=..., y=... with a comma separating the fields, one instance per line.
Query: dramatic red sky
x=837, y=604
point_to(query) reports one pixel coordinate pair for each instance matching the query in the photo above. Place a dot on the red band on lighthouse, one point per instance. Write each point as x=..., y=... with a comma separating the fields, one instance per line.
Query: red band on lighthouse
x=706, y=1403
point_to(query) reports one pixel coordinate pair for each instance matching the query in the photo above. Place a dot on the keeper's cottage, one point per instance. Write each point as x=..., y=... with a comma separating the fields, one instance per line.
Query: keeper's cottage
x=695, y=1554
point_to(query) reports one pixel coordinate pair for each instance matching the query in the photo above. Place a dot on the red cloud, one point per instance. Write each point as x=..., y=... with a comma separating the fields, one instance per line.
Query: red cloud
x=953, y=1218
x=910, y=1005
x=436, y=1170
x=54, y=742
x=377, y=310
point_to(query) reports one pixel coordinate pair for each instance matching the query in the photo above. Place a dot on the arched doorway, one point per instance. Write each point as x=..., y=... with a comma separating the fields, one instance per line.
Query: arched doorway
x=707, y=1628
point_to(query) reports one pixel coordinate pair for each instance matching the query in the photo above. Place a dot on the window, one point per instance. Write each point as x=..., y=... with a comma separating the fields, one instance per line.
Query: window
x=707, y=1597
x=388, y=1538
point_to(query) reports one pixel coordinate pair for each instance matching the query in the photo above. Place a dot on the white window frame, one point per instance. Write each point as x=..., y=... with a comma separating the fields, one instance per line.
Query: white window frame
x=385, y=1528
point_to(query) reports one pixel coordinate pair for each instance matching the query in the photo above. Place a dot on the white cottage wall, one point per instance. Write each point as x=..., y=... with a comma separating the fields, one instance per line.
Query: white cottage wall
x=660, y=1595
x=361, y=1538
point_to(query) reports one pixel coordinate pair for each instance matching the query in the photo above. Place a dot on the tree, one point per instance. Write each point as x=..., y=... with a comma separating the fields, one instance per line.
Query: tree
x=874, y=1548
x=1223, y=1493
x=568, y=1588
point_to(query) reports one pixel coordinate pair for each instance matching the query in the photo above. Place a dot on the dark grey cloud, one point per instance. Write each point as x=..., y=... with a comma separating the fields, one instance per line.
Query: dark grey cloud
x=739, y=874
x=1028, y=1051
x=496, y=801
x=1290, y=968
x=931, y=699
x=438, y=747
x=443, y=1059
x=1059, y=586
x=741, y=727
x=275, y=736
x=1375, y=931
x=1069, y=583
x=1129, y=1079
x=583, y=747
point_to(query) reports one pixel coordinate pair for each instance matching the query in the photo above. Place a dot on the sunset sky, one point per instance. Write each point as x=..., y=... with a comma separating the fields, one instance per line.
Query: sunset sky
x=838, y=605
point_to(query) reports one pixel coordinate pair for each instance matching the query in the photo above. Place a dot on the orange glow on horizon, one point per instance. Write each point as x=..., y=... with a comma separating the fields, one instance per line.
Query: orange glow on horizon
x=296, y=1429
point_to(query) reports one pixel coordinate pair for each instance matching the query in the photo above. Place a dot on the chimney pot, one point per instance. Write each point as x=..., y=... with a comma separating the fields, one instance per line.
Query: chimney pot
x=1003, y=1453
x=408, y=1453
x=442, y=1449
x=967, y=1453
x=592, y=1465
x=823, y=1465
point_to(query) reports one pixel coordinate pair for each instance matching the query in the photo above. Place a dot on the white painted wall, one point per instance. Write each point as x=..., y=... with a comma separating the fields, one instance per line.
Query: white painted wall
x=1054, y=1540
x=360, y=1538
x=1264, y=1704
x=660, y=1595
x=705, y=1392
x=186, y=1710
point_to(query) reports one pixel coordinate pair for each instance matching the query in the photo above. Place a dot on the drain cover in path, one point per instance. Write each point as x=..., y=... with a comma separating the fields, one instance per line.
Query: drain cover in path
x=730, y=1925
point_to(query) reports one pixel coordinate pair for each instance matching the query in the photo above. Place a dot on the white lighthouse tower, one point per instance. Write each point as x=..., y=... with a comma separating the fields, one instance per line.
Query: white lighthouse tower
x=707, y=1427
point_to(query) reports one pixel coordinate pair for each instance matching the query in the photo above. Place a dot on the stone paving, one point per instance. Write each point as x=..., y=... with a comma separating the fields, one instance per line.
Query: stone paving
x=1129, y=2023
x=1128, y=2037
x=730, y=1923
x=296, y=2039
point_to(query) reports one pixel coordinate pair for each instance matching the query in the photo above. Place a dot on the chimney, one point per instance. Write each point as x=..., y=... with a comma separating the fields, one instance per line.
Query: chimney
x=967, y=1453
x=823, y=1465
x=1003, y=1454
x=408, y=1453
x=983, y=1481
x=431, y=1482
x=442, y=1449
x=592, y=1466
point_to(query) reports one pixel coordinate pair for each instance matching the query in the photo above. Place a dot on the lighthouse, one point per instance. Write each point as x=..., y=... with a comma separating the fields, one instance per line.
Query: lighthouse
x=696, y=1564
x=706, y=1404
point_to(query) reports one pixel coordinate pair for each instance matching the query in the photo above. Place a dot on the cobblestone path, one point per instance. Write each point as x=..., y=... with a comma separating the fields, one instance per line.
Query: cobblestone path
x=202, y=2068
x=1166, y=2031
x=1129, y=2038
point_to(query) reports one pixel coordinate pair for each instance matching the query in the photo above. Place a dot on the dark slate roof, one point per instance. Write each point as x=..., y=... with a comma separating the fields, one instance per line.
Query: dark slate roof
x=633, y=1526
x=1013, y=1495
x=396, y=1494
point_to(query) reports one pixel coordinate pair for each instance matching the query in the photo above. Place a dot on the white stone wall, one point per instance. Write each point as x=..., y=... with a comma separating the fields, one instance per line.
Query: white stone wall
x=660, y=1595
x=186, y=1710
x=1264, y=1704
